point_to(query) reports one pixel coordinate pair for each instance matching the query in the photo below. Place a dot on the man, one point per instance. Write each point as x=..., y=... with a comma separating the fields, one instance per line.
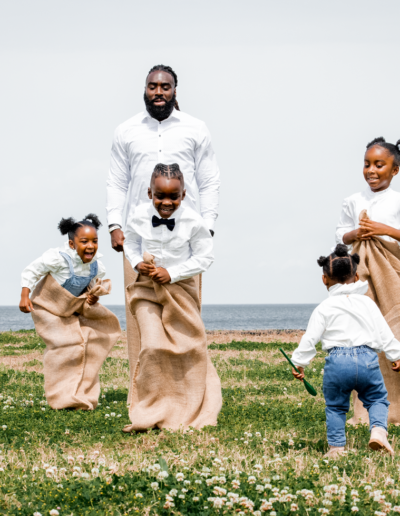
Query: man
x=161, y=134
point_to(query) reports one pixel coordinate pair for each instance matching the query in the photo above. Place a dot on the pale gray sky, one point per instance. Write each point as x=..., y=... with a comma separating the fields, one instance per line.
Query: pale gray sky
x=291, y=91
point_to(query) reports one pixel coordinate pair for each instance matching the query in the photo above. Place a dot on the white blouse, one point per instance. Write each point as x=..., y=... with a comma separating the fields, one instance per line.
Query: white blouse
x=185, y=251
x=51, y=262
x=347, y=318
x=383, y=207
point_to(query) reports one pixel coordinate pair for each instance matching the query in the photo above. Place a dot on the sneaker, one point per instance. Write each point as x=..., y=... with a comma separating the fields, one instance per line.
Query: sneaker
x=379, y=440
x=334, y=452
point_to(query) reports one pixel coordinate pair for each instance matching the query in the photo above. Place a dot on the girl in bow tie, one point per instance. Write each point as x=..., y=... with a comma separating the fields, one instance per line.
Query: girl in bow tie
x=173, y=383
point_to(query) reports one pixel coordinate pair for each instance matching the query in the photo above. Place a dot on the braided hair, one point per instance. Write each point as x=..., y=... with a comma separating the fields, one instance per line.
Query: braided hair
x=168, y=69
x=70, y=226
x=170, y=171
x=394, y=149
x=340, y=265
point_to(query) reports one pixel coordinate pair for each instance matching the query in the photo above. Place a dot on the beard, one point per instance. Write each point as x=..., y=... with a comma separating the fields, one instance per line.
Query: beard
x=159, y=112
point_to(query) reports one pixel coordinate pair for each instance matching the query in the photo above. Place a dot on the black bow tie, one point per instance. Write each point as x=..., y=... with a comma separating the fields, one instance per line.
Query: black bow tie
x=170, y=223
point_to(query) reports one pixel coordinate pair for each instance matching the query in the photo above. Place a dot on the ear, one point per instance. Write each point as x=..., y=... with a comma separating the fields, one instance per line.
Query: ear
x=183, y=194
x=356, y=277
x=71, y=244
x=395, y=170
x=149, y=193
x=324, y=280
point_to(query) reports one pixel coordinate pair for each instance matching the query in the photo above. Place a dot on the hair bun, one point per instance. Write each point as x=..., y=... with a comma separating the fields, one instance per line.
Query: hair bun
x=323, y=260
x=66, y=225
x=341, y=250
x=397, y=144
x=376, y=141
x=356, y=258
x=94, y=219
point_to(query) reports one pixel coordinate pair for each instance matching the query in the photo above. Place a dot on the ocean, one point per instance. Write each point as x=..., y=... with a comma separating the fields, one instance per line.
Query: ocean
x=215, y=317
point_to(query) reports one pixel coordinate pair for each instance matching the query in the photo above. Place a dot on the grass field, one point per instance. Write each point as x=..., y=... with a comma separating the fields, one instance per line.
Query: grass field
x=265, y=455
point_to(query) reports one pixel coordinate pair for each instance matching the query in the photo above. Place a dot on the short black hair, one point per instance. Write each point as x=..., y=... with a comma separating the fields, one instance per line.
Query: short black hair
x=170, y=171
x=71, y=226
x=340, y=265
x=394, y=149
x=164, y=68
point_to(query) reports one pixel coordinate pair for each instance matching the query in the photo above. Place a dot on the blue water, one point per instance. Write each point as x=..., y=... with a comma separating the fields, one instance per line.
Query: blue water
x=215, y=317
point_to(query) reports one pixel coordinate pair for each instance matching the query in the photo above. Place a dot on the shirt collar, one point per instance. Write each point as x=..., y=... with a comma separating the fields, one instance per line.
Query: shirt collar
x=75, y=256
x=175, y=114
x=359, y=287
x=375, y=195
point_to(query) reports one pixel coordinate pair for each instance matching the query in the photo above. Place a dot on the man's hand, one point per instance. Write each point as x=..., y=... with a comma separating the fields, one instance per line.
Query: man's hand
x=396, y=366
x=160, y=276
x=117, y=240
x=91, y=299
x=25, y=305
x=298, y=376
x=145, y=269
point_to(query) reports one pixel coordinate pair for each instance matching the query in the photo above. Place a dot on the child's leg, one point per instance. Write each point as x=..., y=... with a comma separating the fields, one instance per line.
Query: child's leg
x=339, y=380
x=373, y=394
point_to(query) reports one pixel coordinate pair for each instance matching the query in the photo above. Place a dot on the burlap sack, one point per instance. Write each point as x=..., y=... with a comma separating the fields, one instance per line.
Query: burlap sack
x=174, y=384
x=132, y=330
x=380, y=265
x=78, y=338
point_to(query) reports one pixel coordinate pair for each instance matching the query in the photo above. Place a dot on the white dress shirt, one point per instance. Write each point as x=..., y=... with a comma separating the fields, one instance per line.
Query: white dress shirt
x=52, y=262
x=347, y=318
x=185, y=251
x=141, y=142
x=383, y=207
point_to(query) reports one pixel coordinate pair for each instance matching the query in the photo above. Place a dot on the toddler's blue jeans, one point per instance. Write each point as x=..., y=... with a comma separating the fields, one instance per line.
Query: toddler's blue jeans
x=348, y=369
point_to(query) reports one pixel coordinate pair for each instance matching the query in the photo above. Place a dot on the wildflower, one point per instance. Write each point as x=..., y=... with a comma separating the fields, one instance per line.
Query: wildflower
x=44, y=408
x=259, y=488
x=272, y=513
x=168, y=504
x=209, y=481
x=235, y=484
x=179, y=477
x=112, y=414
x=182, y=496
x=354, y=509
x=154, y=485
x=54, y=512
x=195, y=498
x=80, y=458
x=37, y=514
x=258, y=467
x=76, y=468
x=85, y=475
x=75, y=474
x=35, y=468
x=212, y=452
x=218, y=503
x=299, y=404
x=162, y=475
x=173, y=492
x=219, y=491
x=107, y=415
x=251, y=479
x=322, y=371
x=198, y=482
x=95, y=471
x=139, y=495
x=258, y=434
x=396, y=508
x=4, y=427
x=245, y=442
x=49, y=472
x=367, y=488
x=294, y=507
x=291, y=442
x=119, y=415
x=222, y=479
x=276, y=477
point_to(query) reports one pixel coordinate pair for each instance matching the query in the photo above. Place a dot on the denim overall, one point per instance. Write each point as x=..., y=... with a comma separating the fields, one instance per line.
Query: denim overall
x=77, y=284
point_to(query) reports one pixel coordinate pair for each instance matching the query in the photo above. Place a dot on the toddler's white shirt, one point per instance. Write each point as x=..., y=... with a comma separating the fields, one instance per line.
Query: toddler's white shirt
x=52, y=262
x=184, y=252
x=347, y=318
x=383, y=207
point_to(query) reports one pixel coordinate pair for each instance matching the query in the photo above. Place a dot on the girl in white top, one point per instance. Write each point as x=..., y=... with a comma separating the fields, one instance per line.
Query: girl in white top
x=352, y=330
x=381, y=164
x=74, y=266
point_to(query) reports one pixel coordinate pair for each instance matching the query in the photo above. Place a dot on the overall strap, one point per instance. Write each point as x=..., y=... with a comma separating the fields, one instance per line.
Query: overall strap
x=69, y=261
x=94, y=267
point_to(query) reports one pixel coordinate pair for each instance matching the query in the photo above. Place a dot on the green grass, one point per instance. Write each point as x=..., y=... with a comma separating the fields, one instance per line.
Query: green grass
x=270, y=438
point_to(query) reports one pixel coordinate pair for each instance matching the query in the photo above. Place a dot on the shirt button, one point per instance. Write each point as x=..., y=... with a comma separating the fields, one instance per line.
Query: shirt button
x=160, y=150
x=159, y=135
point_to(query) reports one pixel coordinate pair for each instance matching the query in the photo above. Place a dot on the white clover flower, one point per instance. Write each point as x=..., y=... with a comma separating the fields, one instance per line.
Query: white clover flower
x=235, y=484
x=251, y=479
x=294, y=507
x=35, y=468
x=75, y=474
x=139, y=495
x=76, y=468
x=258, y=434
x=54, y=512
x=4, y=427
x=257, y=513
x=49, y=472
x=245, y=442
x=154, y=485
x=107, y=415
x=218, y=503
x=37, y=514
x=80, y=458
x=162, y=475
x=221, y=479
x=184, y=490
x=354, y=509
x=179, y=477
x=182, y=496
x=187, y=482
x=276, y=477
x=212, y=452
x=258, y=467
x=209, y=481
x=195, y=498
x=112, y=414
x=396, y=508
x=259, y=488
x=173, y=492
x=198, y=481
x=120, y=488
x=43, y=408
x=66, y=431
x=95, y=471
x=291, y=442
x=206, y=470
x=220, y=491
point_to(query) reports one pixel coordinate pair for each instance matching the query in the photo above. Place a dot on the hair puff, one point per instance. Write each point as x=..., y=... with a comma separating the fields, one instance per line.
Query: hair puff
x=323, y=260
x=341, y=250
x=94, y=219
x=66, y=225
x=356, y=258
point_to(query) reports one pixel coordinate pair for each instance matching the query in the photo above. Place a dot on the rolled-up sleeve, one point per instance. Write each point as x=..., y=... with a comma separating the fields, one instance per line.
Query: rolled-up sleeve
x=132, y=244
x=50, y=261
x=207, y=177
x=306, y=351
x=345, y=224
x=201, y=244
x=118, y=180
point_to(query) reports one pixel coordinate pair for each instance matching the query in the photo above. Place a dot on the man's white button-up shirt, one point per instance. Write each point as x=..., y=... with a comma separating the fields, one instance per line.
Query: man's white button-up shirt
x=141, y=142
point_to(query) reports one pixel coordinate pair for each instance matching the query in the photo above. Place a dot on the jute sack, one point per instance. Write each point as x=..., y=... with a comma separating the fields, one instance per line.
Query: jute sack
x=78, y=338
x=132, y=330
x=174, y=384
x=380, y=265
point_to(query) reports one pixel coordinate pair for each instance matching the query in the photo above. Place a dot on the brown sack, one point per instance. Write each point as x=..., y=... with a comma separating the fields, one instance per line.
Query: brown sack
x=78, y=338
x=174, y=384
x=380, y=265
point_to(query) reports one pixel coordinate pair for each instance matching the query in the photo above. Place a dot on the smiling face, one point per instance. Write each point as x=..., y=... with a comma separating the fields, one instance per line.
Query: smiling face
x=379, y=168
x=85, y=243
x=167, y=195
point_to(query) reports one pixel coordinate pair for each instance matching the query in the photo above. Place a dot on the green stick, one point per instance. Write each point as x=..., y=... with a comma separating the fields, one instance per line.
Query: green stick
x=307, y=385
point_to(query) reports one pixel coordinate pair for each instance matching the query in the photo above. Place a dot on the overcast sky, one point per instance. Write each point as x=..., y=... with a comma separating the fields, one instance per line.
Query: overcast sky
x=291, y=91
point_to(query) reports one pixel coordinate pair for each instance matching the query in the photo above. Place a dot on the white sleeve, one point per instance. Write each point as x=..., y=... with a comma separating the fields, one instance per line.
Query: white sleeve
x=346, y=223
x=306, y=351
x=389, y=344
x=201, y=244
x=101, y=271
x=132, y=244
x=118, y=181
x=50, y=261
x=207, y=177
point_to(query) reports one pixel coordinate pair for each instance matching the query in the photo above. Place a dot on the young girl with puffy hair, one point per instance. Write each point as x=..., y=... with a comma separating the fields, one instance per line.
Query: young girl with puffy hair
x=78, y=331
x=352, y=330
